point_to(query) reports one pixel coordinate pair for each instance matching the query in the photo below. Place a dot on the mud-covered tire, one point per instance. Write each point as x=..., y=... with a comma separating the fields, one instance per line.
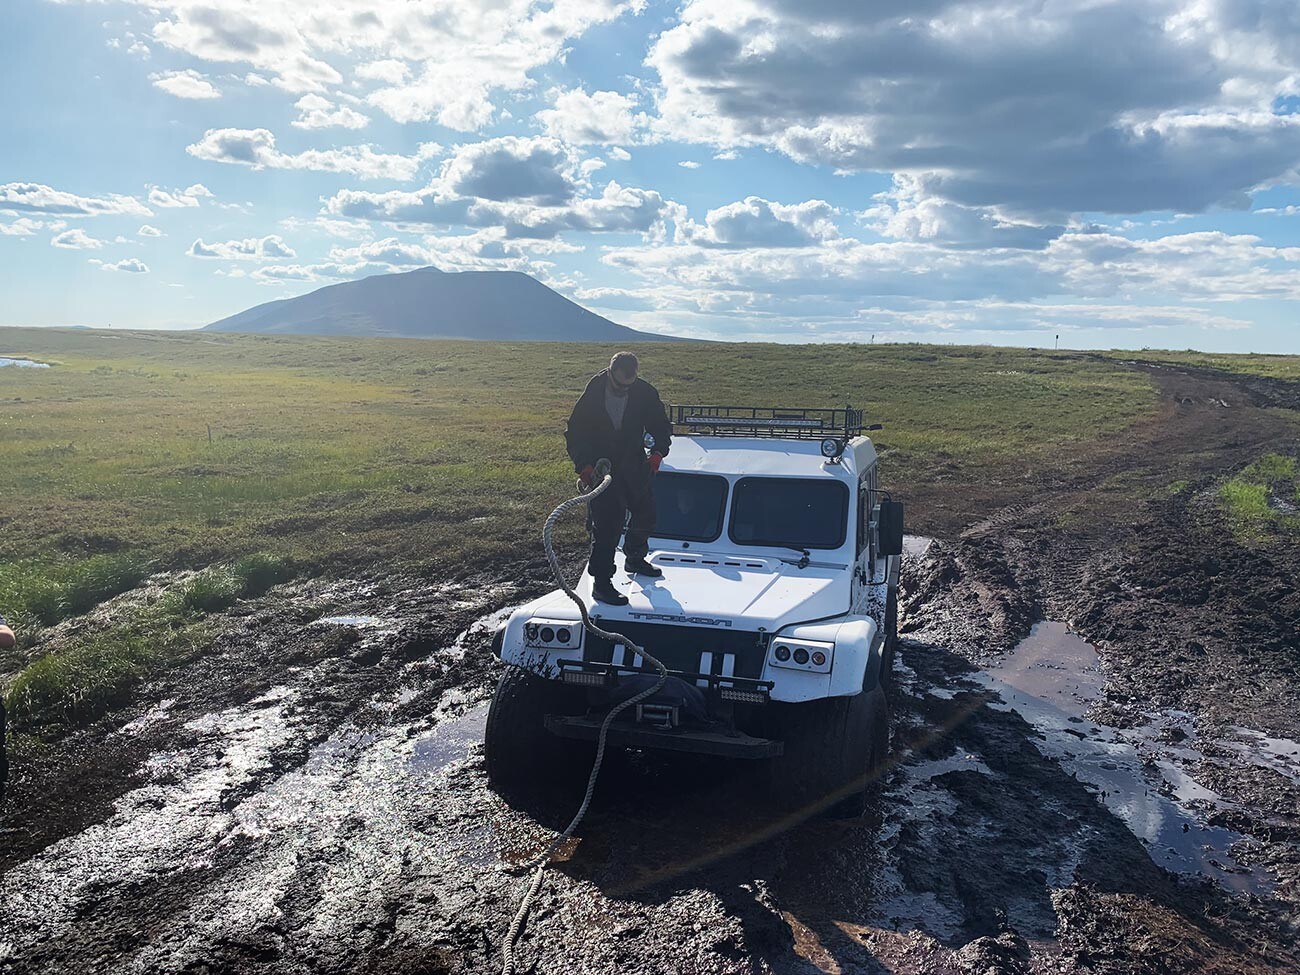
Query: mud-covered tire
x=834, y=753
x=522, y=757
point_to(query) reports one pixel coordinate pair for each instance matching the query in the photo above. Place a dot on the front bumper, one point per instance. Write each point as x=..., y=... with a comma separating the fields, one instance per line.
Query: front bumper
x=726, y=744
x=711, y=735
x=738, y=690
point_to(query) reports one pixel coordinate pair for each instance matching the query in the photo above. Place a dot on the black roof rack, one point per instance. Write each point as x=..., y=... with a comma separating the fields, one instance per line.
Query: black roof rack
x=768, y=421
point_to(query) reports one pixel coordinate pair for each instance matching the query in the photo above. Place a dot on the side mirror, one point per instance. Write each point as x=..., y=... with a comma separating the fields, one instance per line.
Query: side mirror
x=889, y=528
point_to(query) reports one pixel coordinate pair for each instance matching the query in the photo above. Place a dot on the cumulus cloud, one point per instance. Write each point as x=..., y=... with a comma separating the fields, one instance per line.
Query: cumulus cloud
x=185, y=84
x=618, y=209
x=315, y=112
x=542, y=171
x=76, y=239
x=601, y=118
x=256, y=148
x=907, y=213
x=440, y=60
x=130, y=265
x=174, y=199
x=271, y=247
x=39, y=198
x=987, y=104
x=22, y=227
x=755, y=222
x=148, y=231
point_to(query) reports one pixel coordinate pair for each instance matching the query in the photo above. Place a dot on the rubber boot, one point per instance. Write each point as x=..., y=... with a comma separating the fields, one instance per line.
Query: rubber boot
x=640, y=567
x=604, y=592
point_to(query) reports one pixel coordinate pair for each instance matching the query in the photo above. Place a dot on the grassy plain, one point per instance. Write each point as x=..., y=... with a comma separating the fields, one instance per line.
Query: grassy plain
x=250, y=457
x=336, y=452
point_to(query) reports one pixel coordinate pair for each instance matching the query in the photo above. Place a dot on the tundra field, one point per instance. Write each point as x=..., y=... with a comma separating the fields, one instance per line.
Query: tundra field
x=254, y=579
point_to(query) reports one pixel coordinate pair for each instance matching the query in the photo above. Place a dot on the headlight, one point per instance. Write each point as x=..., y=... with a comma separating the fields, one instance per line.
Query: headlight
x=552, y=634
x=806, y=655
x=832, y=447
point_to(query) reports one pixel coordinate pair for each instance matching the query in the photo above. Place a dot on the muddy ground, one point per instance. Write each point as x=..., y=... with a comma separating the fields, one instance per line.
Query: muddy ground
x=310, y=796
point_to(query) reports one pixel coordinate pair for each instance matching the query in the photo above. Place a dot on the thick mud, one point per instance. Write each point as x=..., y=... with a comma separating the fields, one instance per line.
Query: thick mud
x=1095, y=769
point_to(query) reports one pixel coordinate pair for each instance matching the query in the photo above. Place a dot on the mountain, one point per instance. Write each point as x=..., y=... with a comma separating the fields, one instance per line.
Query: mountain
x=434, y=304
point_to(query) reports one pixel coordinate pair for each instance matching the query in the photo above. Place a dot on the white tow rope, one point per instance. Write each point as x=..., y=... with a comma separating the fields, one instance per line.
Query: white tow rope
x=521, y=915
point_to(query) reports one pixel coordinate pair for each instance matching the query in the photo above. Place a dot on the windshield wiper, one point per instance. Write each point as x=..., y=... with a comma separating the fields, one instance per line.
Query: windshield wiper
x=805, y=557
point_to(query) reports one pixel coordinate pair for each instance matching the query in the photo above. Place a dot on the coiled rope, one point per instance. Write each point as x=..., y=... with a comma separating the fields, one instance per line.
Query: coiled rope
x=539, y=870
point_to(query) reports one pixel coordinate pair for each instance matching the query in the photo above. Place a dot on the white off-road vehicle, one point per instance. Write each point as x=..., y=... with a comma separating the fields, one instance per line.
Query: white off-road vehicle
x=775, y=616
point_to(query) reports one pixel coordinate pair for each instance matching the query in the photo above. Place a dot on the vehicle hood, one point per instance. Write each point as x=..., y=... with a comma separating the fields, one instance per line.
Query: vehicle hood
x=745, y=593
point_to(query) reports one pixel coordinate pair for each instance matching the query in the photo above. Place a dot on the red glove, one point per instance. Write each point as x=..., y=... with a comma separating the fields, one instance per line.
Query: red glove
x=655, y=460
x=587, y=475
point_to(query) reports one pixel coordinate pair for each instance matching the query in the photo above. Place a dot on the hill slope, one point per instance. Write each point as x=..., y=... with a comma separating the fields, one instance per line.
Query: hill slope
x=428, y=303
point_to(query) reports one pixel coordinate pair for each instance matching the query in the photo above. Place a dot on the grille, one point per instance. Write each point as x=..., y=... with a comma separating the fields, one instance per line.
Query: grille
x=683, y=648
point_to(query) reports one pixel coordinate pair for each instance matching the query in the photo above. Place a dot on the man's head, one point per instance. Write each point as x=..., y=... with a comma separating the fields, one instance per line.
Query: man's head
x=622, y=372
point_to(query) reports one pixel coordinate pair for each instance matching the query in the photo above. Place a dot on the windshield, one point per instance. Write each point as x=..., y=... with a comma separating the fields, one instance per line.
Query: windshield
x=791, y=512
x=689, y=506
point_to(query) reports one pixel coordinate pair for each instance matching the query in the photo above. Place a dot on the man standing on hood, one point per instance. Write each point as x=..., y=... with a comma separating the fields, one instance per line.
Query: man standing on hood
x=615, y=418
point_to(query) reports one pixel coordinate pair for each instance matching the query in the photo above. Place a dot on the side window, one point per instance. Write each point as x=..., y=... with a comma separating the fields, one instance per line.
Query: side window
x=866, y=508
x=866, y=502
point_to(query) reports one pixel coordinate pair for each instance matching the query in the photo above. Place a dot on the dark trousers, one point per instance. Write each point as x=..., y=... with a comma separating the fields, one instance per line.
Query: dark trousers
x=607, y=514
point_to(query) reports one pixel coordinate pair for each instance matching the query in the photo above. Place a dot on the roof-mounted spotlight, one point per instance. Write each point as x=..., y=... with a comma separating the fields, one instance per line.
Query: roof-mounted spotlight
x=832, y=448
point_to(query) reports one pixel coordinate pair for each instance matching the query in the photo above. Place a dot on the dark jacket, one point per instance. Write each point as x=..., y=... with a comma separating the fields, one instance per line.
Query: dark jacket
x=590, y=435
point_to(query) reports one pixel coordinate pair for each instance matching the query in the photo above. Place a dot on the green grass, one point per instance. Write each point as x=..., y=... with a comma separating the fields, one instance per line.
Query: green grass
x=339, y=452
x=42, y=592
x=85, y=679
x=1256, y=501
x=155, y=450
x=81, y=679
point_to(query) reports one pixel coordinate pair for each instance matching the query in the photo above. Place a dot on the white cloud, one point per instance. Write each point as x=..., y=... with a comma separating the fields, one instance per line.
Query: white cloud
x=148, y=231
x=39, y=198
x=256, y=148
x=689, y=164
x=315, y=112
x=619, y=154
x=269, y=248
x=140, y=49
x=76, y=239
x=390, y=71
x=185, y=84
x=131, y=265
x=442, y=60
x=174, y=199
x=755, y=222
x=618, y=209
x=22, y=227
x=907, y=213
x=601, y=118
x=542, y=171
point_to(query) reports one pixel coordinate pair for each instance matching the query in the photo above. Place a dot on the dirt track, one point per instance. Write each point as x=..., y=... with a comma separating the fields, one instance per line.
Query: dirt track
x=311, y=797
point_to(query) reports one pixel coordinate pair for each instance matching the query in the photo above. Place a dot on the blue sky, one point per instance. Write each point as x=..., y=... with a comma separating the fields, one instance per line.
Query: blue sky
x=1122, y=174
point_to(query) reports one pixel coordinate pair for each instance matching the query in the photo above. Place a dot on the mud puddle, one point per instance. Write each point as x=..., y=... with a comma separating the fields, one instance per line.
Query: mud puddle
x=1050, y=679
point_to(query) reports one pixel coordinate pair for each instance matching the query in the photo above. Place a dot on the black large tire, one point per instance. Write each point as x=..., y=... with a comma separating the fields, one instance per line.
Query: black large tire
x=523, y=758
x=835, y=752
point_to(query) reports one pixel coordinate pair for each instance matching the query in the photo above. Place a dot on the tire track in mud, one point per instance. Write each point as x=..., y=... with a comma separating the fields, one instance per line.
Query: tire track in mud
x=268, y=842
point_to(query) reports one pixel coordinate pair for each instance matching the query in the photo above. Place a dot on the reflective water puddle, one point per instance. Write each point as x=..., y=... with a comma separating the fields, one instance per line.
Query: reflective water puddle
x=360, y=622
x=1050, y=679
x=28, y=363
x=450, y=741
